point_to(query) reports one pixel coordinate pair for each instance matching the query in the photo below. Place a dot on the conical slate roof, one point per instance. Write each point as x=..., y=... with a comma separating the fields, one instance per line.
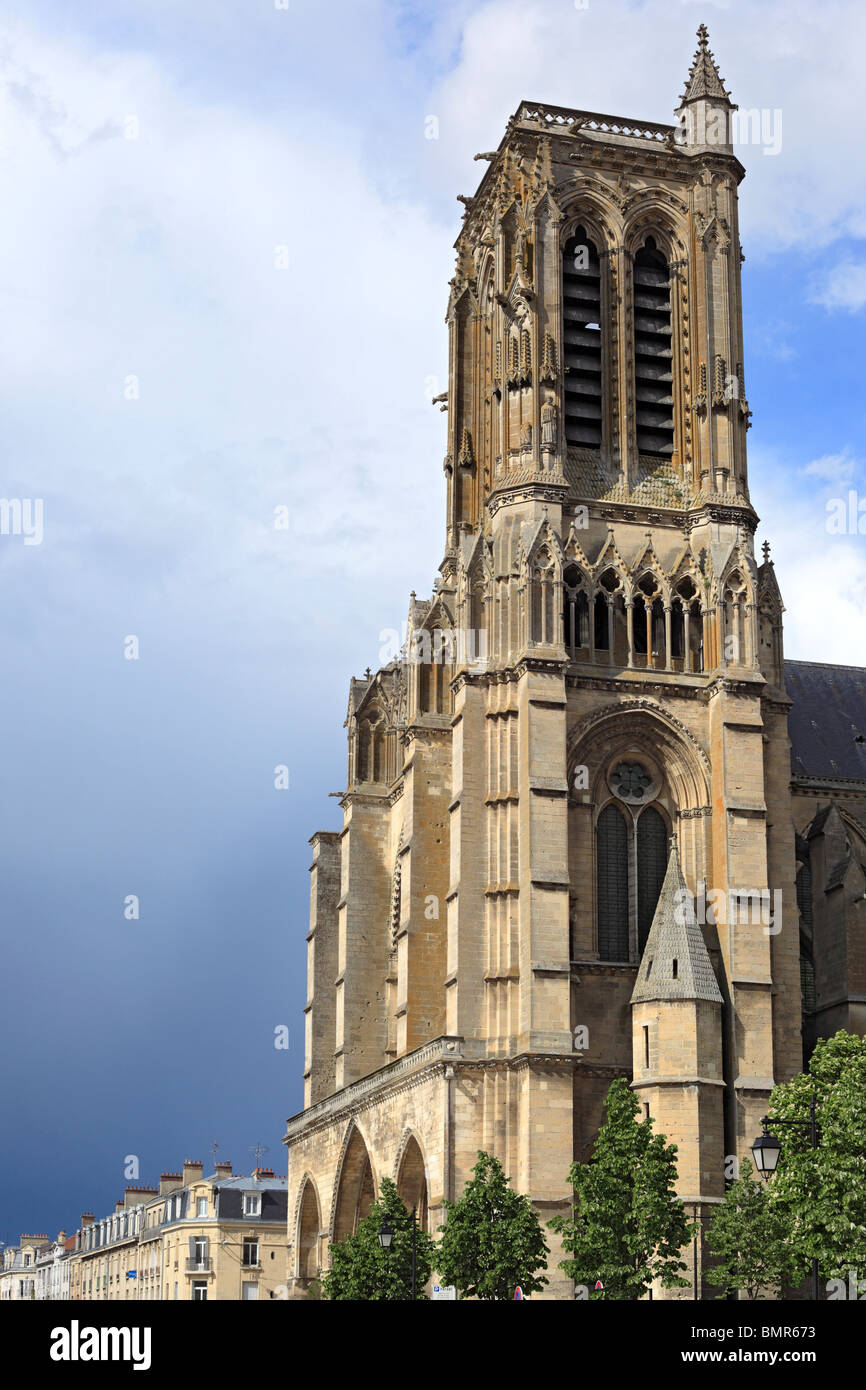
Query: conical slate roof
x=704, y=79
x=675, y=964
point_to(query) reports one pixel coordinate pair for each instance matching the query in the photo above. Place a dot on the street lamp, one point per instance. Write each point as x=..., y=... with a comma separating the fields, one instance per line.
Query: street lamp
x=414, y=1234
x=386, y=1235
x=766, y=1150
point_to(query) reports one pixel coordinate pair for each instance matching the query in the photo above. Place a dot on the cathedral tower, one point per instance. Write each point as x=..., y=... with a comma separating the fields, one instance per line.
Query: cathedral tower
x=588, y=678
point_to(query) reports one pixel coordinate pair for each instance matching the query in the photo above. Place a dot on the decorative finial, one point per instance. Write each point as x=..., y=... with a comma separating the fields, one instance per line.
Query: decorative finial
x=368, y=673
x=765, y=548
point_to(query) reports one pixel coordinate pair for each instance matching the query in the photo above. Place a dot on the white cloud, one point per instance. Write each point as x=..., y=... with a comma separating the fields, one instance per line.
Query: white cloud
x=838, y=468
x=822, y=575
x=154, y=257
x=843, y=288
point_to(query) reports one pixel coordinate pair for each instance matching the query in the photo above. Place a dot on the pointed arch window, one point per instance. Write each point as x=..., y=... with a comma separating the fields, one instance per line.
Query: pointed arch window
x=631, y=863
x=653, y=354
x=575, y=610
x=613, y=897
x=687, y=628
x=582, y=340
x=652, y=862
x=543, y=581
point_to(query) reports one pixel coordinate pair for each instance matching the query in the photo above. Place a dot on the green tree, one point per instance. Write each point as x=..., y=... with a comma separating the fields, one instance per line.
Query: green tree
x=361, y=1269
x=821, y=1193
x=492, y=1240
x=751, y=1237
x=627, y=1226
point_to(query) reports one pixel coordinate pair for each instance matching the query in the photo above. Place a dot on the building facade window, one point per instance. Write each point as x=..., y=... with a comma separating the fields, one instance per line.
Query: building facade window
x=250, y=1252
x=631, y=862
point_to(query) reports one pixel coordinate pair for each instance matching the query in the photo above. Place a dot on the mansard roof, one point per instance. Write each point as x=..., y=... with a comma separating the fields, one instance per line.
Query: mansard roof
x=675, y=963
x=827, y=724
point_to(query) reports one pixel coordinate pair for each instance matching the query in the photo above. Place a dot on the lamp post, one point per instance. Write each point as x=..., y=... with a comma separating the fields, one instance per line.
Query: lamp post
x=414, y=1230
x=386, y=1235
x=766, y=1150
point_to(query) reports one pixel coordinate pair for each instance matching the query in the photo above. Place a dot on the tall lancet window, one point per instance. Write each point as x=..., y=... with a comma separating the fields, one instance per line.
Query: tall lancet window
x=652, y=862
x=612, y=845
x=631, y=861
x=581, y=338
x=653, y=356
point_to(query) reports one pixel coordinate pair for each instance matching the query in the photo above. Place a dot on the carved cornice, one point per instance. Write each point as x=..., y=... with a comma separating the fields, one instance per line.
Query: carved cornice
x=543, y=489
x=853, y=788
x=404, y=1074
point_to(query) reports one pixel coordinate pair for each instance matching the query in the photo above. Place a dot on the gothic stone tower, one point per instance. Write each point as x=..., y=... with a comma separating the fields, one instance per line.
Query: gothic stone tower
x=599, y=669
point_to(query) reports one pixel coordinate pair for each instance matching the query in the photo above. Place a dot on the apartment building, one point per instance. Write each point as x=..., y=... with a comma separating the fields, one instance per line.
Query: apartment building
x=195, y=1237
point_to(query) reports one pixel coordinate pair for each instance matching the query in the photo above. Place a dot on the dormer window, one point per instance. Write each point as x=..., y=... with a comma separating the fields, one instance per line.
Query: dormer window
x=252, y=1204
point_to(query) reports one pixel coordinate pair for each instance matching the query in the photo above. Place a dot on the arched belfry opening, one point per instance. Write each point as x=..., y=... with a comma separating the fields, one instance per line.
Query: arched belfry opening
x=412, y=1181
x=653, y=354
x=356, y=1190
x=582, y=340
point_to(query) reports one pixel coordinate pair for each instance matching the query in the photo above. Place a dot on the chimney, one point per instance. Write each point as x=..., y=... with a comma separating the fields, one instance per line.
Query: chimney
x=135, y=1196
x=260, y=1173
x=193, y=1170
x=223, y=1170
x=87, y=1218
x=168, y=1182
x=61, y=1236
x=118, y=1206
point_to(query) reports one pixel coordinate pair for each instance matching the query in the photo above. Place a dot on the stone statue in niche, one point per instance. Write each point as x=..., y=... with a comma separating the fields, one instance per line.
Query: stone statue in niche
x=548, y=424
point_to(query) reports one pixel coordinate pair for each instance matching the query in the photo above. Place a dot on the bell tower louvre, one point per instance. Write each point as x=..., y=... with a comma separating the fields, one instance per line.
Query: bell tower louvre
x=591, y=704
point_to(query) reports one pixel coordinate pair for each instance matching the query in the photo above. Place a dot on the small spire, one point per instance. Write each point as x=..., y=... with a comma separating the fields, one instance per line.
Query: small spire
x=765, y=550
x=676, y=963
x=704, y=79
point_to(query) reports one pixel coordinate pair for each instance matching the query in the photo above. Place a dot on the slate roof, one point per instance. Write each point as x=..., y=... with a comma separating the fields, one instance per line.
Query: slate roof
x=675, y=937
x=827, y=724
x=243, y=1184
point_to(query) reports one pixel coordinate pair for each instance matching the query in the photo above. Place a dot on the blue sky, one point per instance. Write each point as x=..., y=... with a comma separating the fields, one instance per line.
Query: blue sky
x=157, y=163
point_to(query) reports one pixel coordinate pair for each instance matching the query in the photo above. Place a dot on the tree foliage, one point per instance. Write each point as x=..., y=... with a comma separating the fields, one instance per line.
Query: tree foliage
x=627, y=1226
x=751, y=1237
x=821, y=1193
x=492, y=1240
x=361, y=1269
